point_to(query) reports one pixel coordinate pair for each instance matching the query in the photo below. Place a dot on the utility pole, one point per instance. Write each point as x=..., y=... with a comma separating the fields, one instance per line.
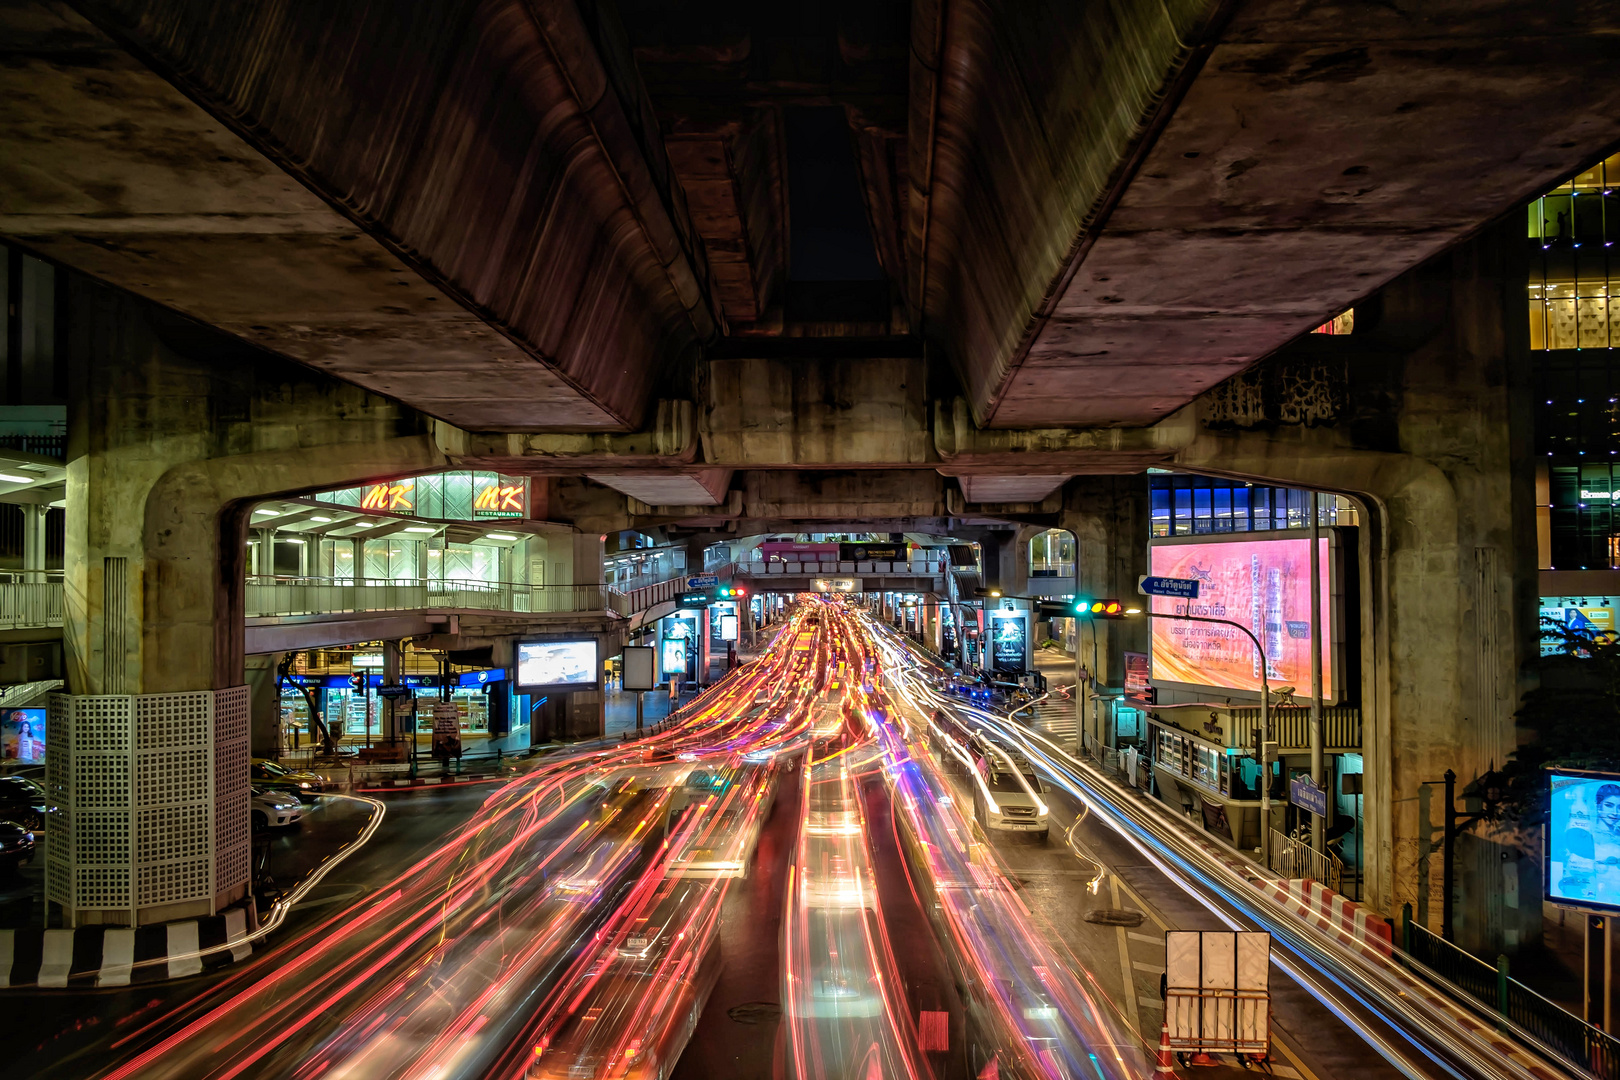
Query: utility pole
x=1317, y=765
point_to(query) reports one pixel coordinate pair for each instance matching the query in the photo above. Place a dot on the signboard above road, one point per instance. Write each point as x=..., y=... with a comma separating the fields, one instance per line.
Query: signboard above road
x=1180, y=588
x=702, y=581
x=1307, y=796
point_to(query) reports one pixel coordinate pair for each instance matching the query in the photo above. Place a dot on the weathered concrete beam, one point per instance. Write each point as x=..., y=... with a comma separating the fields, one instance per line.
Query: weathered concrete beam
x=459, y=203
x=764, y=413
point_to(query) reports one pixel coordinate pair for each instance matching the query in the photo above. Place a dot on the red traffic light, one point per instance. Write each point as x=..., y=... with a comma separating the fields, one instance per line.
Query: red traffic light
x=1101, y=609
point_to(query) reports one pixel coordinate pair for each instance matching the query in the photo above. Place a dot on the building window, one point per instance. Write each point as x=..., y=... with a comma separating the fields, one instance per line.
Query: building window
x=1572, y=231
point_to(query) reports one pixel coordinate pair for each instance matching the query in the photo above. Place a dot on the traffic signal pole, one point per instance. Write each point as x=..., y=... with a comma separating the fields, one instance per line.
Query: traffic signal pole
x=1265, y=722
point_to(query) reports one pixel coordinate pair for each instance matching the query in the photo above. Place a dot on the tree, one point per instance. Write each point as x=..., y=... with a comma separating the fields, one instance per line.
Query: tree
x=1572, y=719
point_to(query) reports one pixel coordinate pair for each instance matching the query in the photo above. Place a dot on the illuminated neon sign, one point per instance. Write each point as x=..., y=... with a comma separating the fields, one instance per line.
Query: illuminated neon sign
x=394, y=496
x=499, y=500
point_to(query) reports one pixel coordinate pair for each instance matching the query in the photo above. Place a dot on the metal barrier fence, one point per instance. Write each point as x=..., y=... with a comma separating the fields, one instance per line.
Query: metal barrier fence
x=267, y=596
x=1560, y=1030
x=31, y=598
x=1293, y=857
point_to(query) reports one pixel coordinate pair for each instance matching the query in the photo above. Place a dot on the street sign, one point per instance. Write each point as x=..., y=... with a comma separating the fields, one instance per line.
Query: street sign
x=1180, y=588
x=1307, y=796
x=394, y=691
x=702, y=581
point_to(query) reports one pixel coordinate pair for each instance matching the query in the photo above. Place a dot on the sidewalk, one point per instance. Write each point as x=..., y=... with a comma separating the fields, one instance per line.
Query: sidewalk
x=619, y=710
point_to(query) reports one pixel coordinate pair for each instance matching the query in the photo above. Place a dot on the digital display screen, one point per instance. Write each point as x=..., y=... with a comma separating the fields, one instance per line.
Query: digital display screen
x=558, y=665
x=22, y=735
x=1007, y=650
x=1259, y=584
x=674, y=656
x=1583, y=840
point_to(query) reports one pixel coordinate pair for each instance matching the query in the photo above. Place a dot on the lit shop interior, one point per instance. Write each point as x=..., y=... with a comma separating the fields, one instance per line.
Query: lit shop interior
x=458, y=539
x=344, y=683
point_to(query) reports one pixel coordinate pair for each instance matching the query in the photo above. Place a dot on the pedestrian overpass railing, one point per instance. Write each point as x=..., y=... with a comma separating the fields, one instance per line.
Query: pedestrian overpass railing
x=269, y=596
x=30, y=599
x=286, y=596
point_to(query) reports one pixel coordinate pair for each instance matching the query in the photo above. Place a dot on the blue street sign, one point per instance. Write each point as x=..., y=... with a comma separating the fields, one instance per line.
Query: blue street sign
x=702, y=581
x=1307, y=796
x=1180, y=588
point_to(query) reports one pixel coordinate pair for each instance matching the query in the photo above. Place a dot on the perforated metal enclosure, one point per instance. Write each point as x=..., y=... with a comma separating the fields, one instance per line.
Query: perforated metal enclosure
x=149, y=802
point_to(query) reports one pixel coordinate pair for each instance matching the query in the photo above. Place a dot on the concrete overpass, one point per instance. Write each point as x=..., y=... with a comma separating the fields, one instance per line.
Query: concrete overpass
x=725, y=269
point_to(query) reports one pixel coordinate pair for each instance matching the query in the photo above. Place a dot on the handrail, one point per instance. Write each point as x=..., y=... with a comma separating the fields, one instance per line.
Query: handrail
x=1451, y=967
x=1293, y=857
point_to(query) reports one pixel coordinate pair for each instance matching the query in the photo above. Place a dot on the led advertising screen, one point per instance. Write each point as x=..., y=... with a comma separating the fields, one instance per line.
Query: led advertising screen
x=22, y=735
x=1259, y=584
x=558, y=665
x=1583, y=840
x=1008, y=637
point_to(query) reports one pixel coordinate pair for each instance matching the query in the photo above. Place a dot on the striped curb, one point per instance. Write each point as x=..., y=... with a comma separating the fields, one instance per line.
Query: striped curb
x=119, y=955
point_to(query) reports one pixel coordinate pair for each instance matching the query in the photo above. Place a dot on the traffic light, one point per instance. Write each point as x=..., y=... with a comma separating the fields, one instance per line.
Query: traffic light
x=730, y=592
x=1086, y=608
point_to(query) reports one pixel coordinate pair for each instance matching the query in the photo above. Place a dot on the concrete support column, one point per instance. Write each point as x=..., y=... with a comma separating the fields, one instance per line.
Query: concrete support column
x=174, y=433
x=34, y=541
x=1423, y=415
x=1109, y=517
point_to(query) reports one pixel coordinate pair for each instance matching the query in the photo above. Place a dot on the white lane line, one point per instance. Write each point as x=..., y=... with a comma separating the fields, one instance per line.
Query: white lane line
x=1153, y=968
x=1149, y=938
x=1131, y=1015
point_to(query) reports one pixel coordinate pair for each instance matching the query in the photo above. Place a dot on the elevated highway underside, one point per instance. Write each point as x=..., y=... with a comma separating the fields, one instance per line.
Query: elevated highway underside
x=534, y=217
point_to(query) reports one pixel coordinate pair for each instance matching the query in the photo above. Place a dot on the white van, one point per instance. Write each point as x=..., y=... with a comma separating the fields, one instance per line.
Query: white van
x=1007, y=796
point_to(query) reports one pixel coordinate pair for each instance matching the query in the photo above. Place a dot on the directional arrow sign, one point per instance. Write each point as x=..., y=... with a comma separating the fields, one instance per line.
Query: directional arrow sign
x=1180, y=588
x=702, y=581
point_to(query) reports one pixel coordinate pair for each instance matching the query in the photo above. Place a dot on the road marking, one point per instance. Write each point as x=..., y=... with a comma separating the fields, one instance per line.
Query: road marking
x=1154, y=968
x=1131, y=1015
x=1150, y=1002
x=1149, y=938
x=1293, y=1059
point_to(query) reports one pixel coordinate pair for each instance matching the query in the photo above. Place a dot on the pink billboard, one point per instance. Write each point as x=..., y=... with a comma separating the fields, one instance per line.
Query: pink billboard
x=1260, y=584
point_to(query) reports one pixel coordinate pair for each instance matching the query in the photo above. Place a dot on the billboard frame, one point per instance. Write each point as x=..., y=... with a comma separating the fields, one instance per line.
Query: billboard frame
x=594, y=685
x=1334, y=671
x=1592, y=906
x=647, y=654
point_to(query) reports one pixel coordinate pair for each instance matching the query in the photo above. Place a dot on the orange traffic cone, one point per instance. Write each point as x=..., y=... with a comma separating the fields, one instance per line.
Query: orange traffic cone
x=1167, y=1058
x=1202, y=1058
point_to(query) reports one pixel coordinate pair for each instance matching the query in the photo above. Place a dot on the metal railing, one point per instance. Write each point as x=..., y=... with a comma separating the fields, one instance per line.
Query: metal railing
x=1291, y=727
x=1293, y=857
x=283, y=596
x=279, y=596
x=30, y=599
x=1560, y=1030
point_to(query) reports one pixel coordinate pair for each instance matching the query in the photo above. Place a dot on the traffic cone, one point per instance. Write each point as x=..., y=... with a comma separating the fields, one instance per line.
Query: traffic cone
x=1202, y=1058
x=1167, y=1057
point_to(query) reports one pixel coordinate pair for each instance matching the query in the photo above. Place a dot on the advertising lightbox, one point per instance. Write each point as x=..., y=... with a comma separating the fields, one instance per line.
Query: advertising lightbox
x=1582, y=851
x=1262, y=585
x=22, y=735
x=558, y=666
x=1009, y=642
x=640, y=667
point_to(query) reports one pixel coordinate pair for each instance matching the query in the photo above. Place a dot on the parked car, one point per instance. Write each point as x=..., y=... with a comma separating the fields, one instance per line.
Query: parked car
x=272, y=809
x=270, y=776
x=22, y=801
x=16, y=846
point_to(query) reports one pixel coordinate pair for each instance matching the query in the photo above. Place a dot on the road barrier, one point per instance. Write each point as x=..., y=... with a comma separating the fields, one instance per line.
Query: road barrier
x=1439, y=961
